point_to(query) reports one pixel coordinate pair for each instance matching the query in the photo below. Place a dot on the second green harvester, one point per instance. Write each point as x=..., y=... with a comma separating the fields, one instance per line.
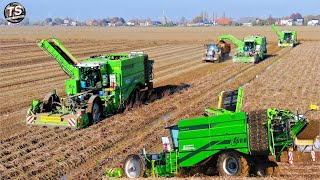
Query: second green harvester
x=287, y=38
x=98, y=87
x=225, y=141
x=251, y=49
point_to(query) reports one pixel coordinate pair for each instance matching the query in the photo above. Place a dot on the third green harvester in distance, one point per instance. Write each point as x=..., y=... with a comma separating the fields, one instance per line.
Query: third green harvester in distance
x=251, y=49
x=225, y=140
x=286, y=38
x=99, y=86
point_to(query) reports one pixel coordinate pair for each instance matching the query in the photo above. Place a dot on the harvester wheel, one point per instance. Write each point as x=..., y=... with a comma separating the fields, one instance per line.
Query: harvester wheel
x=256, y=58
x=232, y=164
x=134, y=99
x=273, y=169
x=267, y=169
x=94, y=109
x=137, y=97
x=50, y=102
x=134, y=166
x=219, y=58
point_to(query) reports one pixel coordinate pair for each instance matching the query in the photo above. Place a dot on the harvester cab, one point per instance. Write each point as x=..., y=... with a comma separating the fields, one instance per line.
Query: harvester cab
x=98, y=87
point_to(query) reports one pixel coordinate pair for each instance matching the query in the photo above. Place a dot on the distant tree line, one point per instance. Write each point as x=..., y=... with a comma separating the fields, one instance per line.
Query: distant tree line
x=119, y=21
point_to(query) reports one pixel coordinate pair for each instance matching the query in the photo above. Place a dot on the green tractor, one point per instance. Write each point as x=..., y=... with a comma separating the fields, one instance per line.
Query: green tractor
x=286, y=38
x=250, y=49
x=98, y=87
x=225, y=141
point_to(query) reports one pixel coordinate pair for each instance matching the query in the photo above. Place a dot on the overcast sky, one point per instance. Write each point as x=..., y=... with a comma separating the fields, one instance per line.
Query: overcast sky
x=174, y=9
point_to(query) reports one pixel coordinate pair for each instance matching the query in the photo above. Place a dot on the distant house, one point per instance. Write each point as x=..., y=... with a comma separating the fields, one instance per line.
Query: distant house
x=223, y=21
x=246, y=20
x=148, y=23
x=73, y=23
x=247, y=24
x=313, y=22
x=66, y=22
x=156, y=23
x=129, y=23
x=89, y=23
x=208, y=23
x=277, y=21
x=286, y=22
x=299, y=22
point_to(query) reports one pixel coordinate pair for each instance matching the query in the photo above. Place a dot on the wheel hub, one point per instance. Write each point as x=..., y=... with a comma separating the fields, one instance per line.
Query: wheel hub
x=132, y=168
x=230, y=166
x=95, y=113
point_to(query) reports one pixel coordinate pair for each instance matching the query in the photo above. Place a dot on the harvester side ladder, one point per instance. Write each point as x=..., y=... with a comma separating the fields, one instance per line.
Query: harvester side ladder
x=280, y=34
x=234, y=40
x=65, y=59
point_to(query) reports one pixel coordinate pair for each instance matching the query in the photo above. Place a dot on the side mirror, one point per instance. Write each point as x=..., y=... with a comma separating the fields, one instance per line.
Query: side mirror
x=314, y=107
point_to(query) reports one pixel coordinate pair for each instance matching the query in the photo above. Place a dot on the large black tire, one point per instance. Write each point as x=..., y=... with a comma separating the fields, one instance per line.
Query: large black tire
x=232, y=163
x=273, y=169
x=256, y=58
x=134, y=98
x=219, y=58
x=268, y=169
x=134, y=166
x=50, y=102
x=94, y=109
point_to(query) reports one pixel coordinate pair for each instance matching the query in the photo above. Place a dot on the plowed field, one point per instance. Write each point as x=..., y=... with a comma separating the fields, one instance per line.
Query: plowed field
x=288, y=78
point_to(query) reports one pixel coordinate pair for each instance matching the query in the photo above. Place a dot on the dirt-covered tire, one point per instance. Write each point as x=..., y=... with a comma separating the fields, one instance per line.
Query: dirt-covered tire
x=94, y=109
x=273, y=169
x=269, y=169
x=134, y=166
x=134, y=98
x=260, y=170
x=50, y=102
x=137, y=96
x=219, y=58
x=232, y=163
x=256, y=58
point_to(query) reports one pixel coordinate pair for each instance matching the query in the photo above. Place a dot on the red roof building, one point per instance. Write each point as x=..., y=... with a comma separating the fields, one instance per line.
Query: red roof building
x=223, y=21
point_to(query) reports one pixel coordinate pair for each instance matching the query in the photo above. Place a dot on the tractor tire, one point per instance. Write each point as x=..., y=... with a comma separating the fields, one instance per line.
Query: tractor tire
x=50, y=102
x=137, y=97
x=94, y=109
x=273, y=169
x=268, y=169
x=232, y=163
x=134, y=166
x=256, y=58
x=134, y=98
x=219, y=58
